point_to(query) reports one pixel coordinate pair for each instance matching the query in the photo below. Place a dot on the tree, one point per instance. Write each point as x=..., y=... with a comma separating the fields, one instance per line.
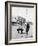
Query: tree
x=21, y=20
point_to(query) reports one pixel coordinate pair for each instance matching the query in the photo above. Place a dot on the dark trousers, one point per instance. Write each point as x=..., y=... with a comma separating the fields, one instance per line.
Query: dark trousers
x=27, y=29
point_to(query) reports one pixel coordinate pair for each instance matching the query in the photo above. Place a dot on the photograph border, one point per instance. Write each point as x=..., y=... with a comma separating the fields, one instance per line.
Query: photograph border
x=6, y=21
